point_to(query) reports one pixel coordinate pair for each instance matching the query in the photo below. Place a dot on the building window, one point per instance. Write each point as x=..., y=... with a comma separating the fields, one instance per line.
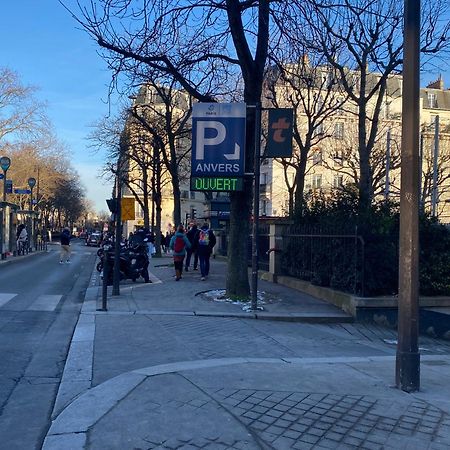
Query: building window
x=139, y=211
x=192, y=195
x=339, y=130
x=317, y=157
x=338, y=181
x=318, y=131
x=264, y=208
x=317, y=181
x=432, y=100
x=184, y=194
x=338, y=158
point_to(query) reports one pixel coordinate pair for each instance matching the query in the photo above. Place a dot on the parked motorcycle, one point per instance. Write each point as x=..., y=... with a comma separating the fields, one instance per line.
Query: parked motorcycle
x=133, y=262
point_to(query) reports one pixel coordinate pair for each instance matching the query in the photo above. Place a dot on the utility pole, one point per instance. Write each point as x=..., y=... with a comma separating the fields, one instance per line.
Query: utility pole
x=434, y=195
x=256, y=170
x=118, y=235
x=388, y=165
x=407, y=373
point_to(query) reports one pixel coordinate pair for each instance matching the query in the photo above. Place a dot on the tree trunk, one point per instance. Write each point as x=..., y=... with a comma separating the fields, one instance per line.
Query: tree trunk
x=146, y=196
x=365, y=171
x=241, y=204
x=176, y=200
x=300, y=181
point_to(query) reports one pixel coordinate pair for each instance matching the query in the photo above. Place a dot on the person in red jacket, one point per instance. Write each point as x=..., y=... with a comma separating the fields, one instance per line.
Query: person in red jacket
x=178, y=245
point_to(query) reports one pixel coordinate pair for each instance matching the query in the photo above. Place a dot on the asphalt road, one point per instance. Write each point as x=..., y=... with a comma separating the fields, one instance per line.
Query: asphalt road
x=40, y=301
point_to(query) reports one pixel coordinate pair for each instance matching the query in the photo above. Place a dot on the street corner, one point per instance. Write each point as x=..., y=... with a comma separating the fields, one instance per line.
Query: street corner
x=251, y=403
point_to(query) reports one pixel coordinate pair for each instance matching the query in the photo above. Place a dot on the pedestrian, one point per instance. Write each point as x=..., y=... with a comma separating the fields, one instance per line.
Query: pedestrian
x=22, y=237
x=178, y=245
x=189, y=251
x=65, y=246
x=204, y=242
x=167, y=240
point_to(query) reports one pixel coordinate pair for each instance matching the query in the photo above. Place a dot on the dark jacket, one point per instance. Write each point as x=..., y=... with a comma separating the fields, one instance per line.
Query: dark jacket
x=191, y=234
x=205, y=249
x=65, y=237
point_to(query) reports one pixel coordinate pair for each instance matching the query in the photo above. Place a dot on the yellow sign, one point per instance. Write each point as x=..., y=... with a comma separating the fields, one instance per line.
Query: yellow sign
x=127, y=209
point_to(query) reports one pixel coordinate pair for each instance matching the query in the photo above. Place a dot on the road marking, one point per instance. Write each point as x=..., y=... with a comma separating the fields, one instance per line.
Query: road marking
x=45, y=303
x=5, y=298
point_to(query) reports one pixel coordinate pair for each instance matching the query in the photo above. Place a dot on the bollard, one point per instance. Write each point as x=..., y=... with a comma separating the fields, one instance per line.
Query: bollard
x=105, y=281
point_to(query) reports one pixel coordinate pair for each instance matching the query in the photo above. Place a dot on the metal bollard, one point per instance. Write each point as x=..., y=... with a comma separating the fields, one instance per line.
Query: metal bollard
x=105, y=281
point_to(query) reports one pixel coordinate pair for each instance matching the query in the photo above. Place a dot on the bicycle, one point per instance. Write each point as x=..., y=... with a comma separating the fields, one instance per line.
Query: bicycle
x=22, y=247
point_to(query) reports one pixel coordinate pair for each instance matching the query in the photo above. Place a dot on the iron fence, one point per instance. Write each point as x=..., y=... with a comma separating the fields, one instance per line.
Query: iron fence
x=325, y=257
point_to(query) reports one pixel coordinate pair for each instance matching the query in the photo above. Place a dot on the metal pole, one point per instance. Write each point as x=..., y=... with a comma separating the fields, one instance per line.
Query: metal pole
x=105, y=281
x=421, y=202
x=116, y=278
x=4, y=185
x=408, y=357
x=435, y=167
x=388, y=165
x=256, y=170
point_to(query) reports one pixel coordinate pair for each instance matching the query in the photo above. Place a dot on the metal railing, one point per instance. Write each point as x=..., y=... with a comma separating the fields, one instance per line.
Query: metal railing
x=324, y=257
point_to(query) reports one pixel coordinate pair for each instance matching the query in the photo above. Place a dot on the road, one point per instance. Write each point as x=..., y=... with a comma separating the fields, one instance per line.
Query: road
x=40, y=301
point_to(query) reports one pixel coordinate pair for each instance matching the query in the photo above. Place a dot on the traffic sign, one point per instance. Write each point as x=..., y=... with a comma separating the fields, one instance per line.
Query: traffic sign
x=22, y=191
x=2, y=176
x=9, y=186
x=218, y=139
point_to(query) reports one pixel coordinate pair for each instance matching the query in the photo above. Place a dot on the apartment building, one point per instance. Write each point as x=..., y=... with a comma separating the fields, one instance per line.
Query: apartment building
x=150, y=104
x=332, y=161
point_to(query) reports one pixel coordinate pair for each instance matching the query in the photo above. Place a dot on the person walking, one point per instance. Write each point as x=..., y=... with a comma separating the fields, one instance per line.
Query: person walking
x=204, y=242
x=65, y=246
x=189, y=251
x=178, y=245
x=22, y=237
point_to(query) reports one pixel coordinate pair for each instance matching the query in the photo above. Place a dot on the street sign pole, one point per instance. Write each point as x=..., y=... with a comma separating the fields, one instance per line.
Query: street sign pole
x=407, y=372
x=256, y=169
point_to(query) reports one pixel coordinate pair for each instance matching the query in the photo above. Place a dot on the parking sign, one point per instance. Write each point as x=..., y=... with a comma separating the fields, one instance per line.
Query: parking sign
x=218, y=139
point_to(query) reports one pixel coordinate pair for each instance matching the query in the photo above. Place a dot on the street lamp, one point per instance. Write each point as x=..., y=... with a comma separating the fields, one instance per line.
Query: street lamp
x=31, y=183
x=5, y=162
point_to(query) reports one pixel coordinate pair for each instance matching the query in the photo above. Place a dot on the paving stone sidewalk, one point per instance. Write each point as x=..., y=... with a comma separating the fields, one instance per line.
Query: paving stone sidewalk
x=167, y=368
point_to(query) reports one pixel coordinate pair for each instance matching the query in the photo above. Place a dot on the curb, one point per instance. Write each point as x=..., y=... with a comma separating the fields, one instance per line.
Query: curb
x=15, y=259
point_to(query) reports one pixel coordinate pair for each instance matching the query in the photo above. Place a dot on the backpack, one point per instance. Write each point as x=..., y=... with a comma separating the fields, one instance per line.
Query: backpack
x=179, y=244
x=203, y=238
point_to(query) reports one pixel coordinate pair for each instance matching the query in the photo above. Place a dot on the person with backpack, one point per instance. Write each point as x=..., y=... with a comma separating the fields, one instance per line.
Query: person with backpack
x=204, y=242
x=178, y=245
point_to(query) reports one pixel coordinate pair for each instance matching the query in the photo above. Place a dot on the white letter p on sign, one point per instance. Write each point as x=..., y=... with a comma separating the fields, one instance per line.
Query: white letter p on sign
x=202, y=141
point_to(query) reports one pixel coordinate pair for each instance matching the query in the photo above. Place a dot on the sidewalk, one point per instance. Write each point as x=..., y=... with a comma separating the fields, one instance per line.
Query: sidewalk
x=168, y=367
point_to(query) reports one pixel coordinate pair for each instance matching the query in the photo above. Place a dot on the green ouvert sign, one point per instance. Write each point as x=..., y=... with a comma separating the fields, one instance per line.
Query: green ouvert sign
x=217, y=184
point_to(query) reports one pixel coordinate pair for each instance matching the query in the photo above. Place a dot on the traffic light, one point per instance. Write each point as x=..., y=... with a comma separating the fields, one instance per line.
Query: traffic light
x=112, y=205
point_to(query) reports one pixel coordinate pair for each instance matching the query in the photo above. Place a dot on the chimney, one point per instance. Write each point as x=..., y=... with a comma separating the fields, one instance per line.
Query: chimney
x=438, y=84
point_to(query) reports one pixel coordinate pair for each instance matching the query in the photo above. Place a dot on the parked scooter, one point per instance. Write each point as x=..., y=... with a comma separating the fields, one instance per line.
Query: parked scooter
x=134, y=262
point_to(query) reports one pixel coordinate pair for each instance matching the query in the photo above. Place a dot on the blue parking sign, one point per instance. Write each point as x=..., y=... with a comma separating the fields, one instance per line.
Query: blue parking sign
x=218, y=139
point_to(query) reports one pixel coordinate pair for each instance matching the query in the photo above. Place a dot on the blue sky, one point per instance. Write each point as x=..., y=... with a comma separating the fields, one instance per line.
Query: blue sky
x=39, y=40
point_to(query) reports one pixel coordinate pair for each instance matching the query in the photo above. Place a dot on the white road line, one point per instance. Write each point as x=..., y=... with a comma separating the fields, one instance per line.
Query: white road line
x=45, y=303
x=5, y=298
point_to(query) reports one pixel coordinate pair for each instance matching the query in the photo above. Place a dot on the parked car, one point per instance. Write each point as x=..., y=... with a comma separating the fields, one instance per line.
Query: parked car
x=94, y=240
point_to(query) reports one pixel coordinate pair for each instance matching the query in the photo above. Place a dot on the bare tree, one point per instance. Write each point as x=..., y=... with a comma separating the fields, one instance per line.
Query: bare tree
x=308, y=86
x=21, y=116
x=165, y=117
x=201, y=44
x=363, y=42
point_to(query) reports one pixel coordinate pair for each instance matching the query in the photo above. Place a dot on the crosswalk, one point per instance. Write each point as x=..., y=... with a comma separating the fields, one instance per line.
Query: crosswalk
x=5, y=298
x=44, y=302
